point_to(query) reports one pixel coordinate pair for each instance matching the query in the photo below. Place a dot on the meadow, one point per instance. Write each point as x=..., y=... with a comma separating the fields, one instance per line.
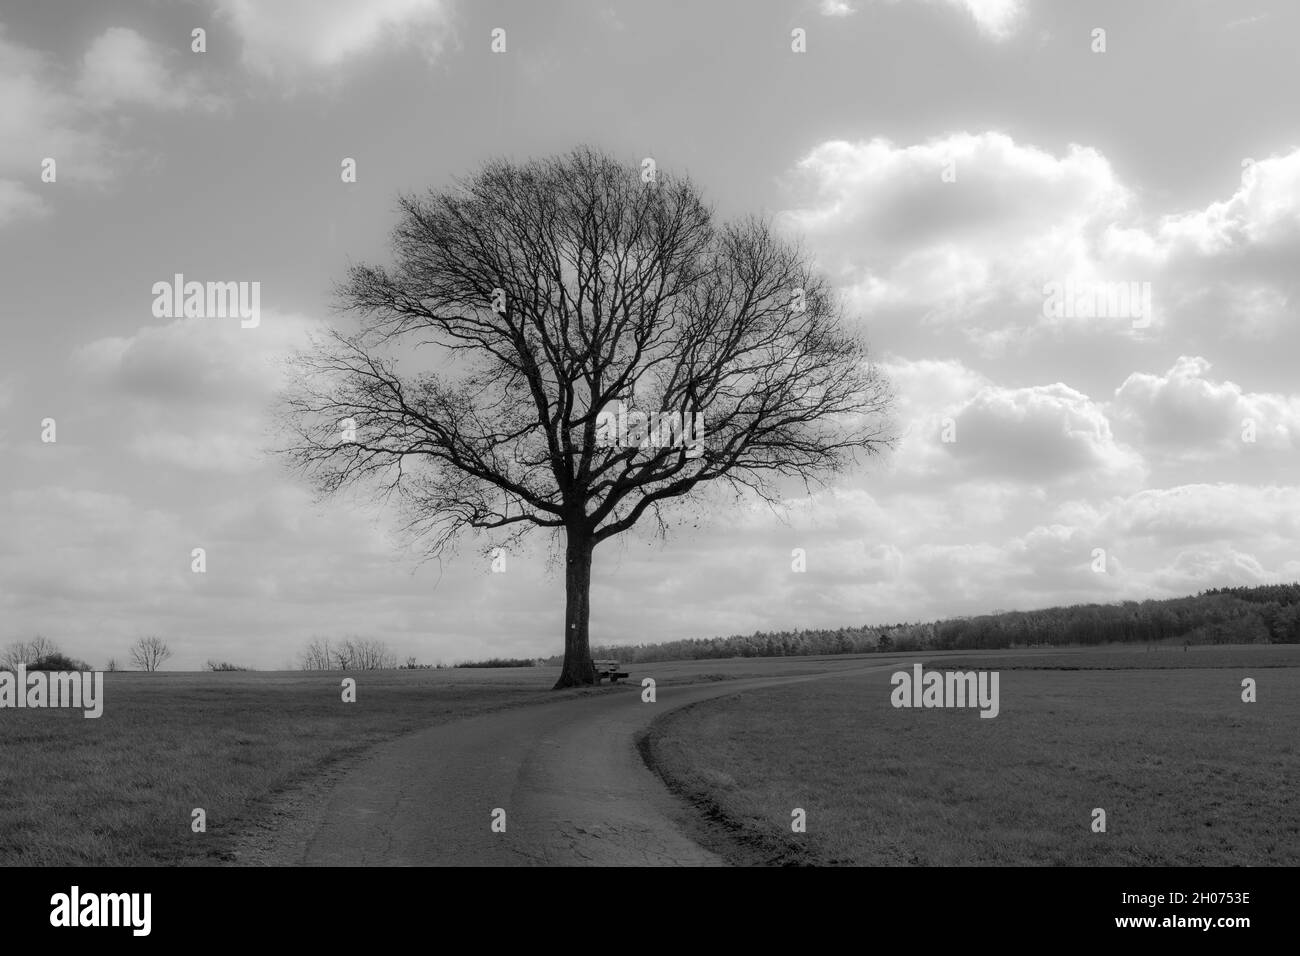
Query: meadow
x=1187, y=773
x=120, y=789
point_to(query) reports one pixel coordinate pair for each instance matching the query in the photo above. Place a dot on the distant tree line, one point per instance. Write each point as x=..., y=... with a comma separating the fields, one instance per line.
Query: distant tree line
x=501, y=662
x=350, y=654
x=42, y=654
x=38, y=654
x=1240, y=615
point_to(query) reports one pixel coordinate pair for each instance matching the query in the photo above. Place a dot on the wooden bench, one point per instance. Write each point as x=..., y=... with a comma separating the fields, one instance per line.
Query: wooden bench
x=608, y=669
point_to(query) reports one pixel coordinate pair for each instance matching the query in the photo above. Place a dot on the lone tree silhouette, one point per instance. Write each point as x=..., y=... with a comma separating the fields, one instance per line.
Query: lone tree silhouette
x=148, y=653
x=544, y=294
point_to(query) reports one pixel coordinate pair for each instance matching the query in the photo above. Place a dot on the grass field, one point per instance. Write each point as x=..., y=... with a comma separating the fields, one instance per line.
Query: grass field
x=120, y=789
x=1187, y=773
x=1205, y=779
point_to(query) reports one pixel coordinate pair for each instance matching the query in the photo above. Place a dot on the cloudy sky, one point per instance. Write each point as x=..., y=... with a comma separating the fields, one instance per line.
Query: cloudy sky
x=947, y=161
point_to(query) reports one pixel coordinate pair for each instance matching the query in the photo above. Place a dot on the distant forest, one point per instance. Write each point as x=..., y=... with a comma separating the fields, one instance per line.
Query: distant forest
x=1243, y=615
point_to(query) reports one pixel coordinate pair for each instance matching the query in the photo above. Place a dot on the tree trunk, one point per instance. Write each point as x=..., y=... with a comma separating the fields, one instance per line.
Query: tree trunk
x=577, y=670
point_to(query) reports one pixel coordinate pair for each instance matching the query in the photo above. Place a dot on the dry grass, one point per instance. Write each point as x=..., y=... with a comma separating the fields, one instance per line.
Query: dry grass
x=1187, y=773
x=120, y=789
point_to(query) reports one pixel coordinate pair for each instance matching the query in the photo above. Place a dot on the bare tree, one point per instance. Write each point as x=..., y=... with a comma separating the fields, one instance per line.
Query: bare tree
x=13, y=655
x=369, y=654
x=317, y=656
x=111, y=665
x=148, y=653
x=39, y=647
x=552, y=292
x=27, y=652
x=352, y=653
x=343, y=655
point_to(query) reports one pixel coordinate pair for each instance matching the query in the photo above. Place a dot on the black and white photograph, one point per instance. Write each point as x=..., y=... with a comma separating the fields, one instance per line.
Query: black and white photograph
x=737, y=434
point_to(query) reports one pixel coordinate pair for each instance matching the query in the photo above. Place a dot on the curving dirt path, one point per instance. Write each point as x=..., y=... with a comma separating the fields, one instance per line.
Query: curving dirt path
x=568, y=775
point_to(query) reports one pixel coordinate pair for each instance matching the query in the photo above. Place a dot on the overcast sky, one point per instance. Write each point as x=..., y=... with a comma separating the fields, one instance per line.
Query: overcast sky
x=944, y=159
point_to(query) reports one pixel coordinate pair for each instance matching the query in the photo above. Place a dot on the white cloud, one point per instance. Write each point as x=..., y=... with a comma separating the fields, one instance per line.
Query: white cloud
x=1245, y=21
x=958, y=426
x=195, y=392
x=292, y=38
x=1223, y=566
x=1157, y=542
x=39, y=119
x=835, y=8
x=1176, y=539
x=44, y=115
x=122, y=67
x=1190, y=415
x=998, y=19
x=995, y=19
x=883, y=218
x=1197, y=513
x=1040, y=433
x=930, y=386
x=1263, y=211
x=926, y=392
x=972, y=252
